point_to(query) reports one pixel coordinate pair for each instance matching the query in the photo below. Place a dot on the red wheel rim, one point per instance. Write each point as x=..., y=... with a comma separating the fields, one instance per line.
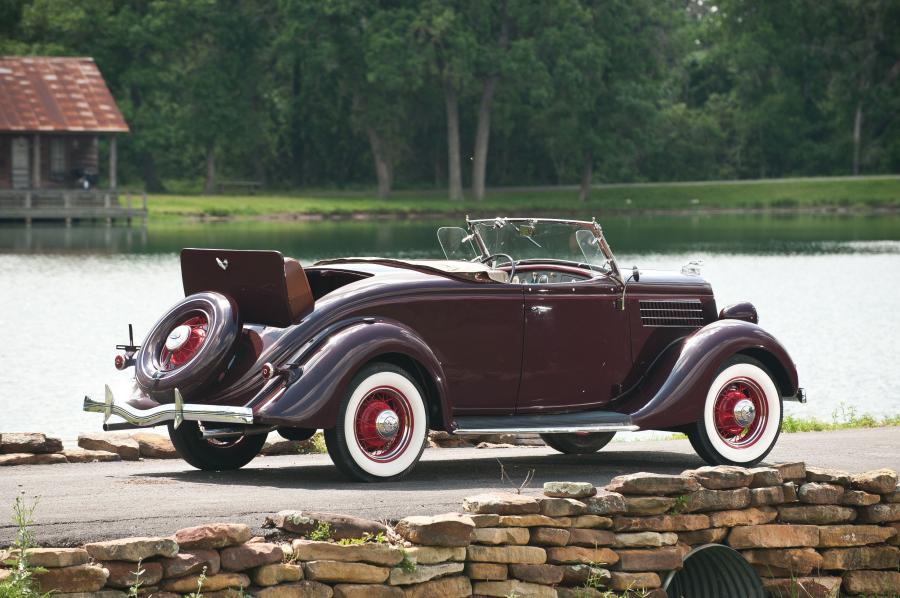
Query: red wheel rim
x=731, y=408
x=196, y=336
x=383, y=424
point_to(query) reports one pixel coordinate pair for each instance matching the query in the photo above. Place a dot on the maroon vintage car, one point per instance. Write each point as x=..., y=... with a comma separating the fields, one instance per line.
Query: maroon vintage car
x=529, y=325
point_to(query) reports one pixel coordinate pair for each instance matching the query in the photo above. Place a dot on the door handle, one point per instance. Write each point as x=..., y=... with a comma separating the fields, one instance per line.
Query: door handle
x=541, y=309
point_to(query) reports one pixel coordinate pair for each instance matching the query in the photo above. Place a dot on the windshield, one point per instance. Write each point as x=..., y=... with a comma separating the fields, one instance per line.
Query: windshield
x=535, y=239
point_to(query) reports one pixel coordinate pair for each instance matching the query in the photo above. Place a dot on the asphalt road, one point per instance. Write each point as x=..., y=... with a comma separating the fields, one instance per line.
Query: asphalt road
x=82, y=502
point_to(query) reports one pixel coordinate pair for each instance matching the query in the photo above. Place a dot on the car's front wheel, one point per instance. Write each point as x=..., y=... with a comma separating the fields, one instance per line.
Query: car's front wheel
x=382, y=425
x=741, y=415
x=578, y=444
x=212, y=454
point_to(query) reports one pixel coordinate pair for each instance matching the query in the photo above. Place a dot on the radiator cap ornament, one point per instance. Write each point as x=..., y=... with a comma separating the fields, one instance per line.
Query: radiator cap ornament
x=692, y=268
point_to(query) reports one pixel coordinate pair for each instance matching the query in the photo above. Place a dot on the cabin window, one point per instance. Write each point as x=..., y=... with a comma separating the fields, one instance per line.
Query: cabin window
x=57, y=159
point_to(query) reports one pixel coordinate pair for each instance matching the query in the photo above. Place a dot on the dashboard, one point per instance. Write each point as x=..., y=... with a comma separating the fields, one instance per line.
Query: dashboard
x=546, y=276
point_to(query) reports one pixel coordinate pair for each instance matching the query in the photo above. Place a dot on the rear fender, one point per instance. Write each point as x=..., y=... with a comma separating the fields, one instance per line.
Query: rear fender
x=313, y=400
x=674, y=392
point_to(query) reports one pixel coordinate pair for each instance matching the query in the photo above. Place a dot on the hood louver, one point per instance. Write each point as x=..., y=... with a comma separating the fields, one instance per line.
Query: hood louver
x=680, y=314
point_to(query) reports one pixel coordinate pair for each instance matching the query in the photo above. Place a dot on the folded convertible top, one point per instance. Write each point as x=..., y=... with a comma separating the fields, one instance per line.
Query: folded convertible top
x=474, y=272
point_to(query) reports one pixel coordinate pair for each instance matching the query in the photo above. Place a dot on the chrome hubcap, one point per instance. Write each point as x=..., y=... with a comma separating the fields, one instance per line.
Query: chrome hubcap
x=744, y=412
x=387, y=424
x=178, y=337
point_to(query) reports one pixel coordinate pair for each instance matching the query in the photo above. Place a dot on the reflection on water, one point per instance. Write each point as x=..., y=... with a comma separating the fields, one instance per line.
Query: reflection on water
x=309, y=240
x=827, y=287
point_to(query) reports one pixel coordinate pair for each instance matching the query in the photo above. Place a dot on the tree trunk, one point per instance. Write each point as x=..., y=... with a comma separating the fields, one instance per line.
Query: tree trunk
x=259, y=169
x=209, y=185
x=454, y=169
x=384, y=169
x=857, y=135
x=482, y=137
x=587, y=176
x=151, y=178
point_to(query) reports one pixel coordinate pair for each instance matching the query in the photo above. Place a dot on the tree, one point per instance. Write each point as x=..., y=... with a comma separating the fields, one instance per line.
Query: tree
x=218, y=74
x=344, y=92
x=440, y=31
x=865, y=55
x=366, y=46
x=573, y=56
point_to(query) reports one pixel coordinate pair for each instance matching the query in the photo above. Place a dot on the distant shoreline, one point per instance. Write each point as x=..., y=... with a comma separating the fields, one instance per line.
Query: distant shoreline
x=834, y=195
x=390, y=215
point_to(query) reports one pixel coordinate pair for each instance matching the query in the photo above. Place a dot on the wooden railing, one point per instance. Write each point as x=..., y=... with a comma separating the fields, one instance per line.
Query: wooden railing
x=69, y=204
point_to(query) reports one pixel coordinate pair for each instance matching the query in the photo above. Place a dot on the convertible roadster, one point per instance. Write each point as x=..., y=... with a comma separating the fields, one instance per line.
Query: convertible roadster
x=529, y=326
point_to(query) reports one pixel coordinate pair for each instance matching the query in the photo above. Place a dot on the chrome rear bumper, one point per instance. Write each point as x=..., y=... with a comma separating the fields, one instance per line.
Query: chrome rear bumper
x=177, y=412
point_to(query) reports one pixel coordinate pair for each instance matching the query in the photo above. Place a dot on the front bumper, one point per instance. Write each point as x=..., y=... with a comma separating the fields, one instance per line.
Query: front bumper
x=800, y=397
x=177, y=413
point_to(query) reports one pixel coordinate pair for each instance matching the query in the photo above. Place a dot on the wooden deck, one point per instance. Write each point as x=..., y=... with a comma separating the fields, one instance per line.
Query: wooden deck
x=70, y=205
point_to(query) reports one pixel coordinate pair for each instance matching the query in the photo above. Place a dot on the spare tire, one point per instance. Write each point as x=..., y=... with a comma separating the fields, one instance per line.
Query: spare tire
x=189, y=347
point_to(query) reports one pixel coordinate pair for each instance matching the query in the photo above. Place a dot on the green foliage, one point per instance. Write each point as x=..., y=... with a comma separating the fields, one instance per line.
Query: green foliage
x=314, y=446
x=135, y=588
x=20, y=583
x=596, y=578
x=201, y=579
x=366, y=538
x=842, y=418
x=681, y=502
x=407, y=565
x=322, y=532
x=298, y=93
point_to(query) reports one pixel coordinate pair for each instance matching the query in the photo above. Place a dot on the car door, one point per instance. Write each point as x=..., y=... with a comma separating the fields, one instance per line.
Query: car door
x=475, y=330
x=576, y=351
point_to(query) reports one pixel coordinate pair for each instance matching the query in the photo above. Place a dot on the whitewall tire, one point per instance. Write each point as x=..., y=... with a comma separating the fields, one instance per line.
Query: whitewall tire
x=742, y=415
x=382, y=425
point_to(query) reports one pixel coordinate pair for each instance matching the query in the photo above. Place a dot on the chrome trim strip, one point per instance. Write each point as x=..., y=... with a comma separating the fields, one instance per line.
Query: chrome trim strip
x=167, y=413
x=551, y=429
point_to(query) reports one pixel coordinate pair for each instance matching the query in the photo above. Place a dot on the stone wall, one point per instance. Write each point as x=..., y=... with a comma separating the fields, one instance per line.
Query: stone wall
x=36, y=448
x=807, y=531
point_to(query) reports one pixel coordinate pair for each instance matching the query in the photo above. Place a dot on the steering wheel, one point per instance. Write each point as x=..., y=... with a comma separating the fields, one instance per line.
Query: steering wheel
x=512, y=262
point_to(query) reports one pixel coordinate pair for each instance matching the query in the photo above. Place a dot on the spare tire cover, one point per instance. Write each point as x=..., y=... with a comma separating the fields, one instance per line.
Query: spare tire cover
x=188, y=347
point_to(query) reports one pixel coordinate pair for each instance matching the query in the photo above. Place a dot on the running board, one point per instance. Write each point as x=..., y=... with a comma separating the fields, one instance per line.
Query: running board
x=565, y=423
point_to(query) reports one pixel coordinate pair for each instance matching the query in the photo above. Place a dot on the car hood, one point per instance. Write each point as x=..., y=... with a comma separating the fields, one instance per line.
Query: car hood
x=670, y=277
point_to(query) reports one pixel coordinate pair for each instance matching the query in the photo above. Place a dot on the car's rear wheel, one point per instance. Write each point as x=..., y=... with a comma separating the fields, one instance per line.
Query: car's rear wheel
x=382, y=425
x=213, y=454
x=741, y=415
x=578, y=444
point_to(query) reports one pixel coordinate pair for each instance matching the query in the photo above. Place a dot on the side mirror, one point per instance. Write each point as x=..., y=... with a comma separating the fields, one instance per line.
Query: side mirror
x=635, y=273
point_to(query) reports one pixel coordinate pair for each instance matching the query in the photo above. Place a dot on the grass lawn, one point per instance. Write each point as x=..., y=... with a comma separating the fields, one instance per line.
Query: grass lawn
x=843, y=418
x=858, y=193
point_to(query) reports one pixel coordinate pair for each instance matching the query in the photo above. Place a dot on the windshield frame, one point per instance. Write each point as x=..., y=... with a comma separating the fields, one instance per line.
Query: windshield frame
x=591, y=225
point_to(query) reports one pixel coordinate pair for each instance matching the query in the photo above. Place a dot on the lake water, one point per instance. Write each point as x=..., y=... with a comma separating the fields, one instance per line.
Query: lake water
x=827, y=286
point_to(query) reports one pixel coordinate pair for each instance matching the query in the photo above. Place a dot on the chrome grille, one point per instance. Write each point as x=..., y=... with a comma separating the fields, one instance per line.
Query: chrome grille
x=682, y=314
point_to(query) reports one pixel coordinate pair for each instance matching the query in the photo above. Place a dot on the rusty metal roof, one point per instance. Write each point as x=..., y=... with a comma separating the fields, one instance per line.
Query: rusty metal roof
x=42, y=93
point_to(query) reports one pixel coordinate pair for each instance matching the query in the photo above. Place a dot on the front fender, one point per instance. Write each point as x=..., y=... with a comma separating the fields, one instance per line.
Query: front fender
x=313, y=400
x=675, y=391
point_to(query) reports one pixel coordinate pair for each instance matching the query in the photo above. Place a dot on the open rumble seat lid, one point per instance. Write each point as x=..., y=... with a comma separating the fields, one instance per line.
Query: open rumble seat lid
x=267, y=288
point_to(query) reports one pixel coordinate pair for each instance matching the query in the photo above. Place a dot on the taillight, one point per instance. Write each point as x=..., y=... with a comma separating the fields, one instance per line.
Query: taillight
x=120, y=362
